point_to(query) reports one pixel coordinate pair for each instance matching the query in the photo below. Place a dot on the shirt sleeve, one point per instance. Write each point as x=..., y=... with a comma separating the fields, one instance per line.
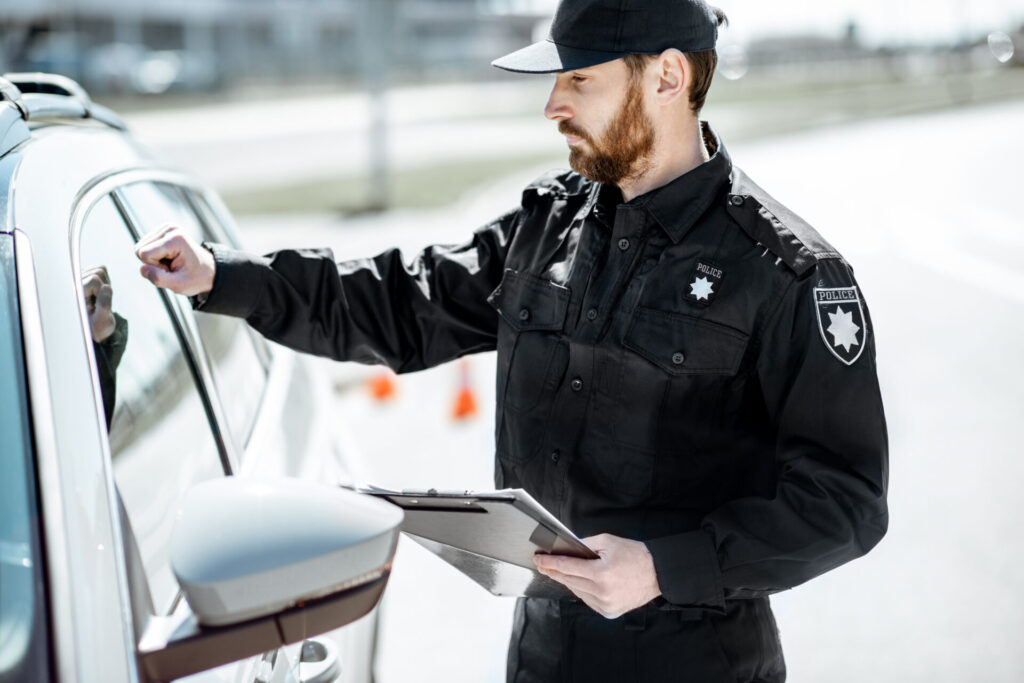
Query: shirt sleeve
x=816, y=369
x=379, y=310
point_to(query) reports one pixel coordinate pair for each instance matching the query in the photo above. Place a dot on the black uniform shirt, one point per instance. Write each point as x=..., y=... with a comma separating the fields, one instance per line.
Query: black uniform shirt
x=694, y=368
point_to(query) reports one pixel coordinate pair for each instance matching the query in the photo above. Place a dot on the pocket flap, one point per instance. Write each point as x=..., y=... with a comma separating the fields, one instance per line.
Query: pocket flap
x=681, y=344
x=528, y=302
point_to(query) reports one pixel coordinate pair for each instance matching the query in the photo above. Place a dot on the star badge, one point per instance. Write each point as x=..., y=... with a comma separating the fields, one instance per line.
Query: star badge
x=843, y=329
x=701, y=289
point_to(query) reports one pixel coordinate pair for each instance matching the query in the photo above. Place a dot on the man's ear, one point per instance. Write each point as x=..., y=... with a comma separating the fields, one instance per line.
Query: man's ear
x=674, y=75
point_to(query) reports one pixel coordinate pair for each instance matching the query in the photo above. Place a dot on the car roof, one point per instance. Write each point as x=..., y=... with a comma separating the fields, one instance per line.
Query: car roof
x=55, y=142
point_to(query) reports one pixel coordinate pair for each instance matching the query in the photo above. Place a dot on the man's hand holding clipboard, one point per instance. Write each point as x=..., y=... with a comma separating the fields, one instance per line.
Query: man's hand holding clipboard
x=621, y=579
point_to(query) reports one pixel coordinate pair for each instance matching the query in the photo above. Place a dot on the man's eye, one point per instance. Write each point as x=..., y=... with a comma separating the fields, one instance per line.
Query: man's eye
x=578, y=79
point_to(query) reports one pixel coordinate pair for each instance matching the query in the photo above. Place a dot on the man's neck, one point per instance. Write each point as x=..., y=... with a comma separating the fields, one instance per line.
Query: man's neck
x=681, y=151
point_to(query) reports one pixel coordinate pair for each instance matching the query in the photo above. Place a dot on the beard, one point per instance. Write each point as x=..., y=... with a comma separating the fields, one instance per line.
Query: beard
x=624, y=151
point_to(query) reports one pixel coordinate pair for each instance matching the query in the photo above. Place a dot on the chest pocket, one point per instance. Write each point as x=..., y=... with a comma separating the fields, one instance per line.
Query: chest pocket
x=683, y=345
x=528, y=302
x=530, y=354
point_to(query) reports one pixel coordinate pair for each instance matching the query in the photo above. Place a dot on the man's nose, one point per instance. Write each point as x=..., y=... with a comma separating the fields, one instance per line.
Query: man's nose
x=557, y=108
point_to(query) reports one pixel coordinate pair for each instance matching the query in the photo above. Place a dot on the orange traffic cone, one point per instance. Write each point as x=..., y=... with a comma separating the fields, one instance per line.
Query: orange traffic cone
x=465, y=400
x=382, y=385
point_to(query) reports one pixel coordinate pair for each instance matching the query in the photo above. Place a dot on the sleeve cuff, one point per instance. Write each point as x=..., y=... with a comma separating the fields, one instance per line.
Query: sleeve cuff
x=688, y=571
x=238, y=283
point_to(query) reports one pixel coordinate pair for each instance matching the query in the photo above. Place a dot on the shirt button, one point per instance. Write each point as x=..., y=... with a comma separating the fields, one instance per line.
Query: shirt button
x=624, y=244
x=555, y=455
x=678, y=358
x=524, y=314
x=736, y=200
x=576, y=384
x=592, y=314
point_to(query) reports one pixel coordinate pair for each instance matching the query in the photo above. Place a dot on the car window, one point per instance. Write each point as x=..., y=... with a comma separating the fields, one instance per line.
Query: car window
x=239, y=374
x=23, y=630
x=161, y=441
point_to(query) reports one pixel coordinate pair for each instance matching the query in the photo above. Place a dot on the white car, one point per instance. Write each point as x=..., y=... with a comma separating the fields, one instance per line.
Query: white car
x=117, y=401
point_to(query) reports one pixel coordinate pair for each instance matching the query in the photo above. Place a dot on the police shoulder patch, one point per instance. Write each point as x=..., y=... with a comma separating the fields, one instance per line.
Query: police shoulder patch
x=841, y=320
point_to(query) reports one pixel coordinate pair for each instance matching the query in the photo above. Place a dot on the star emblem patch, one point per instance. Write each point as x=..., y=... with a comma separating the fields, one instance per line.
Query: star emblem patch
x=705, y=282
x=841, y=321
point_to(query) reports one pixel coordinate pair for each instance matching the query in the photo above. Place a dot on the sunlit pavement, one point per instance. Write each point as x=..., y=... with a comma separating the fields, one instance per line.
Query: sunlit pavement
x=928, y=209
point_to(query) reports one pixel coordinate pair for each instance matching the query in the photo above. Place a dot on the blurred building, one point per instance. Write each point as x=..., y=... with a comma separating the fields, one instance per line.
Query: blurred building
x=196, y=44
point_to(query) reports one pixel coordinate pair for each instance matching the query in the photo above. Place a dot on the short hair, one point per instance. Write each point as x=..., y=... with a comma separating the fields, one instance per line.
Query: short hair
x=702, y=67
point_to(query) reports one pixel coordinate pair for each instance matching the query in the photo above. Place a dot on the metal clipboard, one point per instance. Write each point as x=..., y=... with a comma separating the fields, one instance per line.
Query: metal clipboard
x=491, y=537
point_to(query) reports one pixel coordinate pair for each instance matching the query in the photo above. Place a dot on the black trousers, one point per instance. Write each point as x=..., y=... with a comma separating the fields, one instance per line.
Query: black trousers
x=562, y=641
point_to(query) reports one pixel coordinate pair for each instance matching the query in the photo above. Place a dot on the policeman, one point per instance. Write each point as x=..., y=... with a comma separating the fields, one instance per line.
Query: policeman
x=686, y=369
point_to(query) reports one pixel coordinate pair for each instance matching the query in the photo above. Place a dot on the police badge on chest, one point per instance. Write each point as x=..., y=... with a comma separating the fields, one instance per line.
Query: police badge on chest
x=705, y=282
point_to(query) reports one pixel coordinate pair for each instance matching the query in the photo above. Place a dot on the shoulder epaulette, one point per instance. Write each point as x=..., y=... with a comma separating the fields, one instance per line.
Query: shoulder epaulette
x=774, y=226
x=559, y=182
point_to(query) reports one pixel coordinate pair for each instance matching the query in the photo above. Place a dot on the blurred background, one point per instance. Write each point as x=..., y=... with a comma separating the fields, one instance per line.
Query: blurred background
x=337, y=77
x=896, y=127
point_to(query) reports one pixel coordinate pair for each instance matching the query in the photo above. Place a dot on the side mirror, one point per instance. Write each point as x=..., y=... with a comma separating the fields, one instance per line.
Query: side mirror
x=265, y=564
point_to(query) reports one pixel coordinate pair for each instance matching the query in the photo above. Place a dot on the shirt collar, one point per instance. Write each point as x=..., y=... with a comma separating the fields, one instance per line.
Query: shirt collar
x=677, y=205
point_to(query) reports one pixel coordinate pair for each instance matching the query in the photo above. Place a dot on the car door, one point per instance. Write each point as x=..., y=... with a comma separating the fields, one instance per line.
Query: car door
x=274, y=412
x=166, y=429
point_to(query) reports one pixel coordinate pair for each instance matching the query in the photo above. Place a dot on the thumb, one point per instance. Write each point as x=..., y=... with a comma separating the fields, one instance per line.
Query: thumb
x=105, y=296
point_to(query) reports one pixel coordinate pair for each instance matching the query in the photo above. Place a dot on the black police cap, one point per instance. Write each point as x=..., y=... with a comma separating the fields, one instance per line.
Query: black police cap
x=589, y=32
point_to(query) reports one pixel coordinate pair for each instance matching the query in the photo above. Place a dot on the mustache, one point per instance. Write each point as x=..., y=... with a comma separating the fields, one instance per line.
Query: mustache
x=566, y=128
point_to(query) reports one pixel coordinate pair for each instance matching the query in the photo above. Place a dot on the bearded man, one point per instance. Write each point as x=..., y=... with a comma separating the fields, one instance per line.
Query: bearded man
x=686, y=369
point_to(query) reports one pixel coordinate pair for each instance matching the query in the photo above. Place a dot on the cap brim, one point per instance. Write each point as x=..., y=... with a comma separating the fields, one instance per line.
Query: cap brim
x=547, y=57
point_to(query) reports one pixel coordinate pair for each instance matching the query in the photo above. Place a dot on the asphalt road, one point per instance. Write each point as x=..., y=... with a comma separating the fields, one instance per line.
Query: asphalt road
x=928, y=211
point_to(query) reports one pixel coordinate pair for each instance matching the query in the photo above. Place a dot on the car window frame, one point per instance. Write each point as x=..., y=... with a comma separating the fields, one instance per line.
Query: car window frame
x=178, y=309
x=191, y=347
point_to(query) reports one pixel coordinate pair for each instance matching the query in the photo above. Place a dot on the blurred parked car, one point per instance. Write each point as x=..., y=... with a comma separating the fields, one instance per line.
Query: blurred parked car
x=117, y=400
x=132, y=68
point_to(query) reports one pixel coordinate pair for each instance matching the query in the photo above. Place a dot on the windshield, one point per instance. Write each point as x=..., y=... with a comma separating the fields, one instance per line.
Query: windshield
x=23, y=632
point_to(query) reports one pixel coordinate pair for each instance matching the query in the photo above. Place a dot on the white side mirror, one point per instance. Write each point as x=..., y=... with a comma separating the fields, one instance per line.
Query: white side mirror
x=263, y=564
x=243, y=549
